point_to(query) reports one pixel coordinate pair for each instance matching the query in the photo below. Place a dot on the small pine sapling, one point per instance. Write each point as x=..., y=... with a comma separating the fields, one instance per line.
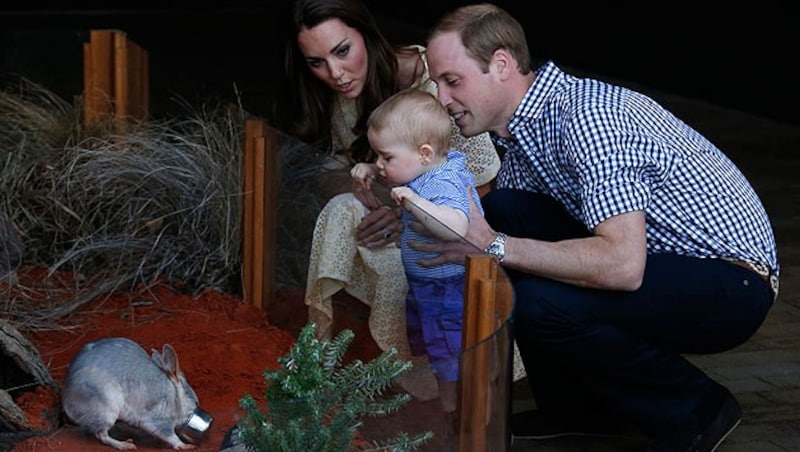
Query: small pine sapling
x=314, y=402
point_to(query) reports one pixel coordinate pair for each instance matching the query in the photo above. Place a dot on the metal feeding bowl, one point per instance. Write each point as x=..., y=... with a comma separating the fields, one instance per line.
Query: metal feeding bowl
x=195, y=428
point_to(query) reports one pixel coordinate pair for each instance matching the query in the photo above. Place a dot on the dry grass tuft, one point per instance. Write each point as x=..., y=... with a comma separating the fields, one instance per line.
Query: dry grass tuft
x=123, y=211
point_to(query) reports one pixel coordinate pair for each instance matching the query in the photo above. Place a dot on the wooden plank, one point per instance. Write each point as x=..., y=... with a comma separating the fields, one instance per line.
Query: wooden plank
x=102, y=68
x=101, y=91
x=480, y=369
x=135, y=75
x=258, y=222
x=474, y=370
x=116, y=77
x=253, y=129
x=270, y=208
x=121, y=91
x=139, y=82
x=477, y=267
x=504, y=296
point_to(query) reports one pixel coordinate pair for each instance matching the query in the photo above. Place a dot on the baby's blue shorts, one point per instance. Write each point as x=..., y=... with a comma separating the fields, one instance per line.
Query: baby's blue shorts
x=434, y=319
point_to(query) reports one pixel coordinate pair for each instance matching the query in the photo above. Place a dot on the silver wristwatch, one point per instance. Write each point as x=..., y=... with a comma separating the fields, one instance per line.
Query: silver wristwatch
x=498, y=247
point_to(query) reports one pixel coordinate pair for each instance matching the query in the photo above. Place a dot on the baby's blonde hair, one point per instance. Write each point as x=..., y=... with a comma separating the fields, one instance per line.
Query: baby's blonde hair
x=415, y=117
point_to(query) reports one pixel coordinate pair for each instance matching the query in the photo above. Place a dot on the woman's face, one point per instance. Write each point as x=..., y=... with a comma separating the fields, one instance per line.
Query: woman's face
x=337, y=55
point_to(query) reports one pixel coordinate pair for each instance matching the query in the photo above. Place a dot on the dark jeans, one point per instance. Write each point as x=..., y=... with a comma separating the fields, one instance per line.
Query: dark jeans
x=600, y=351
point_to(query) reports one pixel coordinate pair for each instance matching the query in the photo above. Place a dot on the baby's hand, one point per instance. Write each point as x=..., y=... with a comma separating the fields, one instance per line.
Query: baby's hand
x=362, y=175
x=401, y=193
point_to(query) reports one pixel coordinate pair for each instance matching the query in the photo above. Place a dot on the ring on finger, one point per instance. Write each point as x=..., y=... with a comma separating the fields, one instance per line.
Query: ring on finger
x=387, y=233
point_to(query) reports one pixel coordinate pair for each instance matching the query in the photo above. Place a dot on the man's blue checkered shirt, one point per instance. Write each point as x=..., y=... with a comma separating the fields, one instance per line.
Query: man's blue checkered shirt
x=603, y=150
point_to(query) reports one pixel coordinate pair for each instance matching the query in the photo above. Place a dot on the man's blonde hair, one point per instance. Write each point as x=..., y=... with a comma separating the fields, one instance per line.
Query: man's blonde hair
x=483, y=29
x=415, y=117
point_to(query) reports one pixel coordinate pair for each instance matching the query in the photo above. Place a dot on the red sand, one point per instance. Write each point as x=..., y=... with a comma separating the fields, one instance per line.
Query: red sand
x=223, y=347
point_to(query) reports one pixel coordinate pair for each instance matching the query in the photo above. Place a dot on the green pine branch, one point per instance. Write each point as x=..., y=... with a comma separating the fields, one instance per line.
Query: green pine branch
x=314, y=402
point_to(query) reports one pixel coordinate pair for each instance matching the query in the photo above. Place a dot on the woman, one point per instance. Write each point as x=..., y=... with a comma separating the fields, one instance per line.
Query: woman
x=342, y=67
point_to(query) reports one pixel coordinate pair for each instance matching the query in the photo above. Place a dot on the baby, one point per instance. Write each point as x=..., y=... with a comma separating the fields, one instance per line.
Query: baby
x=410, y=132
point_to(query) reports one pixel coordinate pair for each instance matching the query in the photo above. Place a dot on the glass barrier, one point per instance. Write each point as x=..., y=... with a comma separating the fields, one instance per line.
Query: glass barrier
x=308, y=205
x=484, y=375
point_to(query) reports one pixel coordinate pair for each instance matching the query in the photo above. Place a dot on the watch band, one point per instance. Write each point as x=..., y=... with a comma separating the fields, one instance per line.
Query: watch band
x=497, y=247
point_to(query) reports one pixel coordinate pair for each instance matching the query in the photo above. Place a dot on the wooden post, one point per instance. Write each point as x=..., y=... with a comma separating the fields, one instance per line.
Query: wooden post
x=115, y=77
x=259, y=228
x=270, y=208
x=121, y=91
x=479, y=324
x=138, y=82
x=98, y=94
x=257, y=263
x=252, y=129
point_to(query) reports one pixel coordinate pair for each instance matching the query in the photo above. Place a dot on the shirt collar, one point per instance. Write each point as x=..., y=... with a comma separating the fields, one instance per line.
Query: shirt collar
x=455, y=159
x=548, y=77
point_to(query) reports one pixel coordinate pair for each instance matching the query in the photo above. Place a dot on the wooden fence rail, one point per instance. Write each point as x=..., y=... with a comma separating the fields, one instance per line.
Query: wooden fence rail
x=488, y=302
x=260, y=213
x=116, y=80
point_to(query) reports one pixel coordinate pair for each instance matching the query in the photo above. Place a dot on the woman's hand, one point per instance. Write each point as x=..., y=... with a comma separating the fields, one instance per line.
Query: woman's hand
x=367, y=197
x=379, y=227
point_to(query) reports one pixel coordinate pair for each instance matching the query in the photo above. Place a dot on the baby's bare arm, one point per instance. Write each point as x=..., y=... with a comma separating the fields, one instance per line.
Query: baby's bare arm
x=443, y=222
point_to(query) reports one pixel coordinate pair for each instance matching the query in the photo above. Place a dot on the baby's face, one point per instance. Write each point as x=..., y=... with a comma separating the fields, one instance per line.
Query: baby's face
x=399, y=162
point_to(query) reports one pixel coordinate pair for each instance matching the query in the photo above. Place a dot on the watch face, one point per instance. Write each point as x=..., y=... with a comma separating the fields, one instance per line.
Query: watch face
x=497, y=247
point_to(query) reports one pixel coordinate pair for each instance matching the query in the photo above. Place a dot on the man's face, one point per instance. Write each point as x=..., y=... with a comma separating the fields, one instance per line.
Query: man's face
x=463, y=88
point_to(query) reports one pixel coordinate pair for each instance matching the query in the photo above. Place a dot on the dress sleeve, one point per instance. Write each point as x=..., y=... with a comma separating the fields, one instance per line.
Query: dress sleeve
x=482, y=158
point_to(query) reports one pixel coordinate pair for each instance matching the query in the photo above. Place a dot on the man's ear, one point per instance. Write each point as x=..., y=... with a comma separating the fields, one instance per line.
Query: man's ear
x=502, y=62
x=426, y=153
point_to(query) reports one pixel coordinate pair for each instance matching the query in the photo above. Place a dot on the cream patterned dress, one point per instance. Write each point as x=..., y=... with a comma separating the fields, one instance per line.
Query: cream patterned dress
x=376, y=276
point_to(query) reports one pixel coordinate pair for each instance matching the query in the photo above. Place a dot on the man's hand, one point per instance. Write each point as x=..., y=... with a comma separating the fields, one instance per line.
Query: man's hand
x=478, y=236
x=454, y=251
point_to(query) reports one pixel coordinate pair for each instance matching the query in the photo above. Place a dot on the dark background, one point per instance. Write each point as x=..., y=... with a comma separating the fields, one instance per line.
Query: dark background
x=738, y=56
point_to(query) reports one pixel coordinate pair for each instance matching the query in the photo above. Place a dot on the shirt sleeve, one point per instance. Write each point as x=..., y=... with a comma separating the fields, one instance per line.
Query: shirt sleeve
x=618, y=167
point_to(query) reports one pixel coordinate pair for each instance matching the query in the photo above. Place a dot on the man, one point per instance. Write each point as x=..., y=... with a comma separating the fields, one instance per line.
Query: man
x=630, y=240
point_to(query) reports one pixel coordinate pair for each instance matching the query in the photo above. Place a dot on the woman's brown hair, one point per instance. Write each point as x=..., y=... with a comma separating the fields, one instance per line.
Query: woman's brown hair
x=306, y=106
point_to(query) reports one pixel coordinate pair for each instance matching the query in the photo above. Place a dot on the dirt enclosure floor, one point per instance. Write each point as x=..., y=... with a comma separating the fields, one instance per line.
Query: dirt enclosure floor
x=223, y=346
